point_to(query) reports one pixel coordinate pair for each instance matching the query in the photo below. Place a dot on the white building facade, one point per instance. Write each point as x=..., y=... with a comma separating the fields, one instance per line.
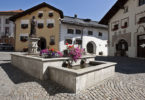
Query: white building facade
x=84, y=33
x=126, y=20
x=7, y=28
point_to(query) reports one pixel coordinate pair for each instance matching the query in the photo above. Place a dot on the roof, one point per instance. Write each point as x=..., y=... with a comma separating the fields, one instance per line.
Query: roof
x=82, y=22
x=28, y=11
x=10, y=12
x=20, y=10
x=116, y=7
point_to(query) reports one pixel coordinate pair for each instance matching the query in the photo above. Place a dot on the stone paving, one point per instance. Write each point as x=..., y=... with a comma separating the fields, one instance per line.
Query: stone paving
x=127, y=84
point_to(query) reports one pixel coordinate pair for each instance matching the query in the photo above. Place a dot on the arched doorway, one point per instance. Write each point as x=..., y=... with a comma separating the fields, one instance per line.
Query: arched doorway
x=42, y=43
x=121, y=48
x=91, y=47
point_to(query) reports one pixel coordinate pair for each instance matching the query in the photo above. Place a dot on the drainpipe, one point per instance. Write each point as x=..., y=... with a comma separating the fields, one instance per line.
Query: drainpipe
x=60, y=29
x=109, y=42
x=14, y=36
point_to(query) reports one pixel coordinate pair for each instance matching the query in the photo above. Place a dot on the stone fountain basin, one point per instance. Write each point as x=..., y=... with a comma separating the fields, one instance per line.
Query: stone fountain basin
x=75, y=80
x=37, y=66
x=79, y=80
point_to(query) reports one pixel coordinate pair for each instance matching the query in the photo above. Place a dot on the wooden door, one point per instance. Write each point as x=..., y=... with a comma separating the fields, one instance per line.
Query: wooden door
x=141, y=46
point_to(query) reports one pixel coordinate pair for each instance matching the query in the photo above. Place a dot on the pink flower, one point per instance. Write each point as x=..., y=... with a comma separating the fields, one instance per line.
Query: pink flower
x=75, y=53
x=59, y=53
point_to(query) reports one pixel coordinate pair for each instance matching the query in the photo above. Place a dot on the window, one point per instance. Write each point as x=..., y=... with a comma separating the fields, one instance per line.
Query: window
x=100, y=34
x=141, y=2
x=101, y=53
x=115, y=27
x=50, y=25
x=70, y=31
x=141, y=20
x=40, y=25
x=78, y=31
x=69, y=41
x=125, y=9
x=90, y=32
x=40, y=15
x=23, y=38
x=125, y=25
x=24, y=26
x=50, y=14
x=6, y=30
x=7, y=21
x=78, y=41
x=52, y=40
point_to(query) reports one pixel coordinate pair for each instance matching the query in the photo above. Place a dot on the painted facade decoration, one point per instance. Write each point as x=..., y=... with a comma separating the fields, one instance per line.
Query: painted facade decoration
x=126, y=24
x=84, y=33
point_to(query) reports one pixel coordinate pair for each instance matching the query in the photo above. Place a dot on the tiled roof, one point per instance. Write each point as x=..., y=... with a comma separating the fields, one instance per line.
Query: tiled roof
x=15, y=11
x=82, y=22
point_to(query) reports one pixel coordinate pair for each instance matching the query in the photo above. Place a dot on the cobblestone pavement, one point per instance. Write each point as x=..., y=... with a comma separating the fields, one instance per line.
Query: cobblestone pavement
x=127, y=84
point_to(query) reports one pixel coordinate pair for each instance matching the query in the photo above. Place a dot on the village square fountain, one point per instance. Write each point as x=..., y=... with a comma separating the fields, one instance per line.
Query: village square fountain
x=75, y=75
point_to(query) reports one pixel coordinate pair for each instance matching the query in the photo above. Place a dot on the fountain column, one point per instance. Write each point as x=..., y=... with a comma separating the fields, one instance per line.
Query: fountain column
x=33, y=46
x=33, y=40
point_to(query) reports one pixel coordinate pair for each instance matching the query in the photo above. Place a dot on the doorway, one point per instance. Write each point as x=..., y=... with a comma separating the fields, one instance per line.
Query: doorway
x=91, y=47
x=121, y=48
x=42, y=43
x=141, y=46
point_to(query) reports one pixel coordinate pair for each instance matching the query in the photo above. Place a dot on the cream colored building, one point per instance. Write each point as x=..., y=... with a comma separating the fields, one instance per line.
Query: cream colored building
x=126, y=20
x=47, y=20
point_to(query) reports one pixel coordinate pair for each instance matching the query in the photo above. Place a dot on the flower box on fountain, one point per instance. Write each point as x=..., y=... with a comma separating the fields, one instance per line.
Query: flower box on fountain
x=50, y=53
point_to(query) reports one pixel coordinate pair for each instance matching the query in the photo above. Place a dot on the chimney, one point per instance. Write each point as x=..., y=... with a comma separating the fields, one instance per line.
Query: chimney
x=75, y=16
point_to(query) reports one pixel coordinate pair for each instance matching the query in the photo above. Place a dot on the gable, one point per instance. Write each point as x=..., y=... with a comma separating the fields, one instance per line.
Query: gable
x=29, y=11
x=116, y=7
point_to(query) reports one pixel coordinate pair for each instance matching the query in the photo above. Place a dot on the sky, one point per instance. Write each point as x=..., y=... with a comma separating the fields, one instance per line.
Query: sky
x=92, y=9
